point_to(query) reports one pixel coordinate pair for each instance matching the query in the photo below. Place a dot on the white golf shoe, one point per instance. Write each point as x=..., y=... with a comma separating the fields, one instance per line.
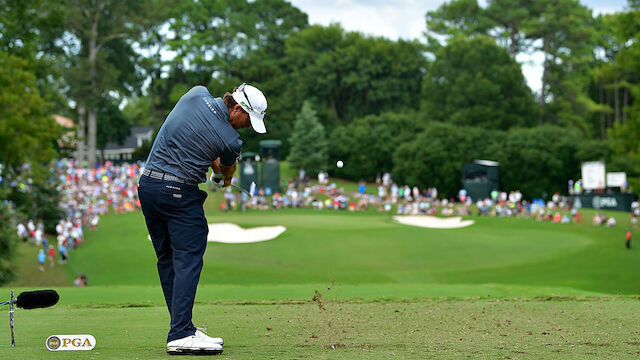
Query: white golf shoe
x=193, y=344
x=202, y=335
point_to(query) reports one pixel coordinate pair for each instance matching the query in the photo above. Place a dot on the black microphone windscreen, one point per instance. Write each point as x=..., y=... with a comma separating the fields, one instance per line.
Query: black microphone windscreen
x=37, y=299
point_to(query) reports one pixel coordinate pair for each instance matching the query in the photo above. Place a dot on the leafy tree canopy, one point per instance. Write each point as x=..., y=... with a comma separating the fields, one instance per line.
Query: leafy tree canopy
x=474, y=82
x=435, y=156
x=308, y=142
x=458, y=18
x=27, y=132
x=366, y=145
x=349, y=75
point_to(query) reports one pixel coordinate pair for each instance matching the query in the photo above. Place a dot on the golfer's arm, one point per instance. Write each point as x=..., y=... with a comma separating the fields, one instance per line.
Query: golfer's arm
x=215, y=165
x=228, y=171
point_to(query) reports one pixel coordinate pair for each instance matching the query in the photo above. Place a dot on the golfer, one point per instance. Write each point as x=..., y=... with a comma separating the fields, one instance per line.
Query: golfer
x=200, y=132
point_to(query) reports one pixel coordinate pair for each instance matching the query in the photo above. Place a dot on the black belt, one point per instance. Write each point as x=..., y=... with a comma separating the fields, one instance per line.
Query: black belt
x=164, y=176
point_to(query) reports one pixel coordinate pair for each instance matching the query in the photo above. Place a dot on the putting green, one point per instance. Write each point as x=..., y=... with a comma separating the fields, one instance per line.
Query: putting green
x=324, y=247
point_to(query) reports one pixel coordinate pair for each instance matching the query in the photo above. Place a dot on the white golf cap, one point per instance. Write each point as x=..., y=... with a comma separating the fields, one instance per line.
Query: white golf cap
x=254, y=103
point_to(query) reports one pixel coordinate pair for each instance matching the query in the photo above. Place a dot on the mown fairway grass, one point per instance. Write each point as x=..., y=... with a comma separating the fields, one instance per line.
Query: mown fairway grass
x=594, y=328
x=369, y=248
x=359, y=282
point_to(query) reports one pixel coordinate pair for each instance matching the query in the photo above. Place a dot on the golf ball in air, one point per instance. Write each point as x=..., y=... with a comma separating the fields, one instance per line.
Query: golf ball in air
x=339, y=164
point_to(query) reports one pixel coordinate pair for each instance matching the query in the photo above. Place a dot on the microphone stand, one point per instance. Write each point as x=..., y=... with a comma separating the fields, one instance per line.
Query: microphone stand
x=13, y=340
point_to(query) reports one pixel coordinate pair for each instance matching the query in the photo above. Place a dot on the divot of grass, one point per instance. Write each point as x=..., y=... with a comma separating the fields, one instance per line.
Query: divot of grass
x=113, y=306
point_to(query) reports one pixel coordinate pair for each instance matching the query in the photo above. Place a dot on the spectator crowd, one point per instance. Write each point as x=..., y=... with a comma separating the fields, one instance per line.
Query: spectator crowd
x=85, y=195
x=405, y=200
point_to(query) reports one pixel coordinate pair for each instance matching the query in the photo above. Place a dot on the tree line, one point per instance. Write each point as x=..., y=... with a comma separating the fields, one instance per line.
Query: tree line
x=418, y=108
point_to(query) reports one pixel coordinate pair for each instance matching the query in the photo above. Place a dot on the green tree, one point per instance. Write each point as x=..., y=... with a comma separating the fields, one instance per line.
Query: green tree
x=40, y=199
x=28, y=93
x=606, y=73
x=8, y=237
x=113, y=126
x=153, y=42
x=222, y=43
x=308, y=142
x=435, y=156
x=625, y=146
x=508, y=18
x=349, y=75
x=367, y=144
x=138, y=112
x=28, y=29
x=622, y=73
x=538, y=161
x=214, y=36
x=27, y=132
x=99, y=26
x=264, y=65
x=563, y=28
x=458, y=18
x=474, y=82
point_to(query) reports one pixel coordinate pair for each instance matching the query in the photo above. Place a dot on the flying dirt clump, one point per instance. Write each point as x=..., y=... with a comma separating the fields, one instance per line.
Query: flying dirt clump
x=317, y=298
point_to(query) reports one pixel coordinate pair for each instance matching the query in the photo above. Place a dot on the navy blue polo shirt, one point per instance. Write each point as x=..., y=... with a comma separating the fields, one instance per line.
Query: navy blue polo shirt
x=196, y=132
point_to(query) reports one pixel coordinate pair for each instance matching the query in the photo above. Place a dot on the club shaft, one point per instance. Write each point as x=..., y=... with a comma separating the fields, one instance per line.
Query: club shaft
x=241, y=189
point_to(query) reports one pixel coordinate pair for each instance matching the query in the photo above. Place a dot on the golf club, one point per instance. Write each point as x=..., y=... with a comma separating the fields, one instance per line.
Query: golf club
x=251, y=189
x=218, y=180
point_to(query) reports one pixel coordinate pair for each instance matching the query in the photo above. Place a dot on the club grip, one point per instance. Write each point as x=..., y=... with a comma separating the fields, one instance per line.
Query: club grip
x=217, y=179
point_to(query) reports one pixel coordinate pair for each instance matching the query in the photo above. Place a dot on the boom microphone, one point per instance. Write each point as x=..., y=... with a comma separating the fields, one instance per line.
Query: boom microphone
x=37, y=299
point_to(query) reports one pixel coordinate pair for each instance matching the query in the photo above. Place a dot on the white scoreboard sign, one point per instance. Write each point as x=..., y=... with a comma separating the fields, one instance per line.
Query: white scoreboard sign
x=593, y=175
x=616, y=179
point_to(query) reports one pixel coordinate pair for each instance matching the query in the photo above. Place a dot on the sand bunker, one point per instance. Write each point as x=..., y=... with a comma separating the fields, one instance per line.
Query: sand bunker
x=433, y=222
x=229, y=233
x=233, y=234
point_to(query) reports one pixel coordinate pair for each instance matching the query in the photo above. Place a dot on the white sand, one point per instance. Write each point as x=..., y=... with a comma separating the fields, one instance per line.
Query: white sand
x=229, y=233
x=433, y=222
x=233, y=234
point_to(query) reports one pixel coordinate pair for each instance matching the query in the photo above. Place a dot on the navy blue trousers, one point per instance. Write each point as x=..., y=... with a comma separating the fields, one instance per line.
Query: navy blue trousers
x=178, y=228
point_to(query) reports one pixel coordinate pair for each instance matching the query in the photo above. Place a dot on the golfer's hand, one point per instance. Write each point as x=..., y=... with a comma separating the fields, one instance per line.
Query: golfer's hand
x=222, y=172
x=218, y=180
